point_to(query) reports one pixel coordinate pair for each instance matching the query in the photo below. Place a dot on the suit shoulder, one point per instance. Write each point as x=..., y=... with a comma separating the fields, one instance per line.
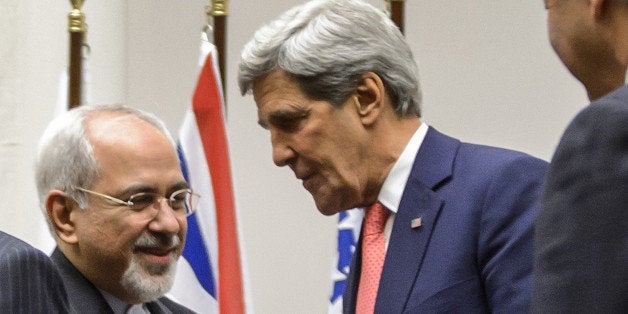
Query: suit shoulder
x=30, y=282
x=7, y=241
x=599, y=129
x=490, y=157
x=607, y=113
x=15, y=250
x=617, y=99
x=23, y=260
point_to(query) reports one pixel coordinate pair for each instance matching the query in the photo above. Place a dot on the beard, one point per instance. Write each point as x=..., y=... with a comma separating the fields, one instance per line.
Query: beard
x=146, y=281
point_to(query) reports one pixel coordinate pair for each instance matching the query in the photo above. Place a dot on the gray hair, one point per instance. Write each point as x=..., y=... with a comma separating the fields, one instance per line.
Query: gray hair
x=326, y=45
x=65, y=157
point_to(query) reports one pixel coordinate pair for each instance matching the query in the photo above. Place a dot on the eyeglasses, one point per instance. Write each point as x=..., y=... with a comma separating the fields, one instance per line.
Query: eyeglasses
x=183, y=201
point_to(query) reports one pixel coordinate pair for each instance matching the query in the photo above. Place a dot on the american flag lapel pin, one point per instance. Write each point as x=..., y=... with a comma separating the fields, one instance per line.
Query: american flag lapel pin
x=416, y=222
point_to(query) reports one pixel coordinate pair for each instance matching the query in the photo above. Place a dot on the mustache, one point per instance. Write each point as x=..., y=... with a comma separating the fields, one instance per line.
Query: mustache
x=159, y=241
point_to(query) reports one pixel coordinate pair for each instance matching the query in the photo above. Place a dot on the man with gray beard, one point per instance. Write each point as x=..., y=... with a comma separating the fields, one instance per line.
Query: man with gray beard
x=110, y=184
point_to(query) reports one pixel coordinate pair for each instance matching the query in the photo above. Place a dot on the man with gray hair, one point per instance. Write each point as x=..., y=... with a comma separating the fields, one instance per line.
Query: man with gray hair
x=448, y=225
x=110, y=184
x=581, y=253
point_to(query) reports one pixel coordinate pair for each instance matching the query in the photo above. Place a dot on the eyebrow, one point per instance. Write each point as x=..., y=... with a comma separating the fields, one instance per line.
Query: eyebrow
x=181, y=185
x=141, y=188
x=283, y=117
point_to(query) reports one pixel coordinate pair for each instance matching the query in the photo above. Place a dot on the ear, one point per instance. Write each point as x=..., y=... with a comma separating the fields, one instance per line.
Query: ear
x=370, y=97
x=59, y=208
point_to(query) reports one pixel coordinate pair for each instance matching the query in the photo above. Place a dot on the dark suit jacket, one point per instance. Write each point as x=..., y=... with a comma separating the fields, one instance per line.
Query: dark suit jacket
x=29, y=282
x=473, y=252
x=86, y=298
x=581, y=256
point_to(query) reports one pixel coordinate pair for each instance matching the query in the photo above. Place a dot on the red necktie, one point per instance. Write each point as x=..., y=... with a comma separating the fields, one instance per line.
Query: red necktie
x=373, y=254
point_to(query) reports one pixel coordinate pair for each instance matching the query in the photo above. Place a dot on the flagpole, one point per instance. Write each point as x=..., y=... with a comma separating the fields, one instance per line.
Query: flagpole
x=219, y=12
x=396, y=12
x=76, y=28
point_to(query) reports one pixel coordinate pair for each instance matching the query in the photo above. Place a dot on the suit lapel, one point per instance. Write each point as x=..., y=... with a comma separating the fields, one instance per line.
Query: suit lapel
x=350, y=293
x=82, y=294
x=156, y=307
x=408, y=242
x=406, y=248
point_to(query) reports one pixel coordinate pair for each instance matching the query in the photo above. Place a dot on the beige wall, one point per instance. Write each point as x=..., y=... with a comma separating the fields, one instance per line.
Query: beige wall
x=488, y=75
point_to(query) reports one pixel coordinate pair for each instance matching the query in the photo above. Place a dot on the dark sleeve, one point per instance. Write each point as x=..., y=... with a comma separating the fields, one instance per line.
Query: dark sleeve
x=29, y=283
x=505, y=243
x=581, y=256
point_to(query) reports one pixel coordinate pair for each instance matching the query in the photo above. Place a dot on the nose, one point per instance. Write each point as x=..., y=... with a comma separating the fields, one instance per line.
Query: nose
x=166, y=221
x=282, y=152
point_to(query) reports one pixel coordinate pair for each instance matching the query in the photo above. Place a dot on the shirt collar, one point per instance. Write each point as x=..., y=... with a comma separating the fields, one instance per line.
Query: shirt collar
x=118, y=306
x=395, y=183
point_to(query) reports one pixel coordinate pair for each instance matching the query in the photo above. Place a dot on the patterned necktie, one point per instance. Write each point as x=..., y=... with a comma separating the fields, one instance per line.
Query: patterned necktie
x=373, y=254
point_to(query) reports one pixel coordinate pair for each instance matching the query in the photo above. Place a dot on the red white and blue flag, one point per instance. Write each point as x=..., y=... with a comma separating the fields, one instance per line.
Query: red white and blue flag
x=210, y=273
x=349, y=224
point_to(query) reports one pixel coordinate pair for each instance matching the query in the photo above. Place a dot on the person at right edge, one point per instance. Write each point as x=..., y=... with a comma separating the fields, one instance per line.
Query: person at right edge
x=581, y=240
x=336, y=85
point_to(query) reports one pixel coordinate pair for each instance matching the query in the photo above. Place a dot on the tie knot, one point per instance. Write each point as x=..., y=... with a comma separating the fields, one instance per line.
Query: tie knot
x=376, y=216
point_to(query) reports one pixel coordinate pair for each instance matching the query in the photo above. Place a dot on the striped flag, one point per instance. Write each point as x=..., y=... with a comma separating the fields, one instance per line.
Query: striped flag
x=349, y=224
x=209, y=274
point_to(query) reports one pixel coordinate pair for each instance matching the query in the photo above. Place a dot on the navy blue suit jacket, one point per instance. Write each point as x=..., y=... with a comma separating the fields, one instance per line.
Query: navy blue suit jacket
x=581, y=254
x=29, y=282
x=473, y=252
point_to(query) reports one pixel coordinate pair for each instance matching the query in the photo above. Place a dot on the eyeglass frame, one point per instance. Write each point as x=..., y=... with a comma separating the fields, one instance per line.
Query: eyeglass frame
x=188, y=210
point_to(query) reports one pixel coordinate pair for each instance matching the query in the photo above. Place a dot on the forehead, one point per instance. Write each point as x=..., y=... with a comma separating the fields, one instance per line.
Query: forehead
x=120, y=129
x=114, y=126
x=278, y=91
x=130, y=151
x=276, y=86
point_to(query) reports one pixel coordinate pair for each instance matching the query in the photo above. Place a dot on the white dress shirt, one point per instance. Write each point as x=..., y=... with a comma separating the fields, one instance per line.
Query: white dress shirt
x=395, y=183
x=120, y=307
